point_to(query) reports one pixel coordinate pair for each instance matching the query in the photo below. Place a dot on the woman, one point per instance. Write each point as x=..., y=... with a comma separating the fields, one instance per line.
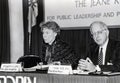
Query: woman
x=55, y=50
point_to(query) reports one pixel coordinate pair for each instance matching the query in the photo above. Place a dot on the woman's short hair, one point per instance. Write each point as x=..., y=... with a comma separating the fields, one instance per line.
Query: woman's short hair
x=50, y=25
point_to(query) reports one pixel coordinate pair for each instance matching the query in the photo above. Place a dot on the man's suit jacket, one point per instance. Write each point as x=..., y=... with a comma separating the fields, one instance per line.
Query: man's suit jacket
x=112, y=57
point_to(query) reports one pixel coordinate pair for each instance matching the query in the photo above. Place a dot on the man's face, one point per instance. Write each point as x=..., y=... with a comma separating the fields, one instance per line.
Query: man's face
x=49, y=35
x=99, y=34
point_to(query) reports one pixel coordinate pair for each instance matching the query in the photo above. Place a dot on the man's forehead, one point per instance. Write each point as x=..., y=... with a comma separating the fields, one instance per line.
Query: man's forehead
x=96, y=27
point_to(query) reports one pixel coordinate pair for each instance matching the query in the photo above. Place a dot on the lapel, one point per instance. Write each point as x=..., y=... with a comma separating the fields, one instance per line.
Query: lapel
x=108, y=51
x=97, y=52
x=95, y=55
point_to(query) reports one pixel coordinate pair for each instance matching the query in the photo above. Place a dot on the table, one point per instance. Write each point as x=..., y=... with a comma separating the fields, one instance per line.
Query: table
x=33, y=77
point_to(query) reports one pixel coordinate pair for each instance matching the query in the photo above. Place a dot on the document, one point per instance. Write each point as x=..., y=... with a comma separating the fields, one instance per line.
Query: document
x=80, y=72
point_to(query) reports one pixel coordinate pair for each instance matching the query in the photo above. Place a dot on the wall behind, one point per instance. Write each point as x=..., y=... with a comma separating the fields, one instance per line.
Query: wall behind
x=16, y=29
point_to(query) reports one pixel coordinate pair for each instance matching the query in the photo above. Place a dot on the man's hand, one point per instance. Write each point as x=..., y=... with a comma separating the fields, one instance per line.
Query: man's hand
x=86, y=65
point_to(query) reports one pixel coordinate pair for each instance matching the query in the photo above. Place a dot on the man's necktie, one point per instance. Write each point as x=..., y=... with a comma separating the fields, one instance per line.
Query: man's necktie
x=100, y=57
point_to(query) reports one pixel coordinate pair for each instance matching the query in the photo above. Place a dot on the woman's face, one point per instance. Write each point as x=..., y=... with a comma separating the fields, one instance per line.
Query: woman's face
x=49, y=35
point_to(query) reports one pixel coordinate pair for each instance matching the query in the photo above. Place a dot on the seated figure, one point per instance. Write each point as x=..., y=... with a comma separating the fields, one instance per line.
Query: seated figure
x=55, y=50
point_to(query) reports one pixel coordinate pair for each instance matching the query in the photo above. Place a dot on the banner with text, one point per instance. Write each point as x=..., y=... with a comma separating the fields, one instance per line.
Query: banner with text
x=81, y=13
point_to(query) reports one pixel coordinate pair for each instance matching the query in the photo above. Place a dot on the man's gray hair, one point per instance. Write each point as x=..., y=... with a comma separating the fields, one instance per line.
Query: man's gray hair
x=102, y=25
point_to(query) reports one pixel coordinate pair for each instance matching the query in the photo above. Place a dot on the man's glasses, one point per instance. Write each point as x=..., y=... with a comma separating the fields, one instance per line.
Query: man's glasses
x=98, y=33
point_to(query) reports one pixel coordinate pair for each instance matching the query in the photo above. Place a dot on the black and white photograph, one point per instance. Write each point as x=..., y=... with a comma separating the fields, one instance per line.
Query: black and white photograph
x=59, y=41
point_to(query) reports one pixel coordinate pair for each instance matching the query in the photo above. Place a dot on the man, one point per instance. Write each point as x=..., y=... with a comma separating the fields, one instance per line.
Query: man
x=104, y=54
x=54, y=50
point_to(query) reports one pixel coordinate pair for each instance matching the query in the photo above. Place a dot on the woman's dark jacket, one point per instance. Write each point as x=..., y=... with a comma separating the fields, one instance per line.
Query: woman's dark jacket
x=60, y=51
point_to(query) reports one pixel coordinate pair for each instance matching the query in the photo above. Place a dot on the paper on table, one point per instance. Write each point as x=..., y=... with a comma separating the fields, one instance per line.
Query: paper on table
x=41, y=67
x=80, y=72
x=113, y=73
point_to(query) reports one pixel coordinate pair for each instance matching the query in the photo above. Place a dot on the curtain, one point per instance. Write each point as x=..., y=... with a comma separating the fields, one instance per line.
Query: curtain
x=4, y=32
x=25, y=25
x=34, y=47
